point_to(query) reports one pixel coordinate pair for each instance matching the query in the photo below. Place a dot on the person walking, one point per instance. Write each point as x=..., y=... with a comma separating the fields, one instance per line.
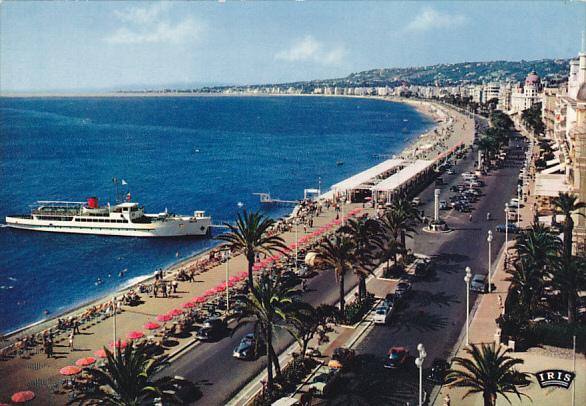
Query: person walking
x=49, y=348
x=71, y=341
x=76, y=326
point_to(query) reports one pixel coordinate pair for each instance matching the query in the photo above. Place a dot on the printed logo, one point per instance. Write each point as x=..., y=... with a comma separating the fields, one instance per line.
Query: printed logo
x=555, y=377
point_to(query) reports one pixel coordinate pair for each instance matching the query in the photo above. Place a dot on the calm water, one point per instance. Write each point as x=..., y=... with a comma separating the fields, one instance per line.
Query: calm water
x=184, y=154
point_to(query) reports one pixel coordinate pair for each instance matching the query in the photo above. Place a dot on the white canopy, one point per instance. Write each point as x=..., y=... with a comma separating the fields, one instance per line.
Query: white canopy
x=404, y=175
x=364, y=176
x=550, y=185
x=553, y=169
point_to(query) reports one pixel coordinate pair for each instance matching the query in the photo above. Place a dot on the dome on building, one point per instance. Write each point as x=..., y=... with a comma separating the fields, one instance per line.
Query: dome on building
x=581, y=96
x=532, y=79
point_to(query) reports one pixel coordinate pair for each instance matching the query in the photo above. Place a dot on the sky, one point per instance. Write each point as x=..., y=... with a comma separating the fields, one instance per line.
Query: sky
x=68, y=46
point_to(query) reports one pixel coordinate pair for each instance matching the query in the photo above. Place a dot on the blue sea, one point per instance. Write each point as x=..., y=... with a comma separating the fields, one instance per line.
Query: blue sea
x=176, y=153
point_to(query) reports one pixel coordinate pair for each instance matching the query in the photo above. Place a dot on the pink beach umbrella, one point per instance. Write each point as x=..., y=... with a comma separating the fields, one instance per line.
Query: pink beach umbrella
x=209, y=292
x=100, y=353
x=243, y=274
x=151, y=325
x=70, y=370
x=134, y=335
x=220, y=288
x=23, y=396
x=84, y=362
x=164, y=317
x=198, y=299
x=187, y=305
x=234, y=279
x=257, y=267
x=176, y=312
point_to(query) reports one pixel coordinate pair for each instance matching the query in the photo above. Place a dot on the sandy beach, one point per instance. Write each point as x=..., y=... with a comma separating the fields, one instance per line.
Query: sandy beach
x=452, y=128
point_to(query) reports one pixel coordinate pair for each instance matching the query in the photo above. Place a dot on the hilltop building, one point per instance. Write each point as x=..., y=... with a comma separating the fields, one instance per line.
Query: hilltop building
x=526, y=95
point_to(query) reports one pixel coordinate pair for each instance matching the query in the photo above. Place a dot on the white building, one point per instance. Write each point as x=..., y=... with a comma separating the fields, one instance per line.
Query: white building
x=525, y=96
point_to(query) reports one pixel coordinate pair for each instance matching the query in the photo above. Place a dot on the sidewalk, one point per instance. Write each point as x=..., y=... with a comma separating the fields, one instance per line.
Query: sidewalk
x=40, y=374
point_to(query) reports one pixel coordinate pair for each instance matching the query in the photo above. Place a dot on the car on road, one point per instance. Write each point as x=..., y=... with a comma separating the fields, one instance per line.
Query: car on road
x=443, y=205
x=478, y=283
x=416, y=201
x=501, y=228
x=514, y=203
x=248, y=348
x=403, y=288
x=396, y=357
x=438, y=371
x=422, y=267
x=390, y=300
x=212, y=329
x=323, y=380
x=382, y=314
x=343, y=356
x=451, y=172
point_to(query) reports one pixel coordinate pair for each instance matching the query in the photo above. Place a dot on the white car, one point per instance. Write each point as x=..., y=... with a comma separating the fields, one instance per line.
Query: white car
x=382, y=314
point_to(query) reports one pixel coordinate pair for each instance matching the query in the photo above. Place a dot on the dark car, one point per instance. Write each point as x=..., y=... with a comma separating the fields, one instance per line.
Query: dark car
x=438, y=371
x=403, y=289
x=396, y=357
x=248, y=348
x=501, y=228
x=212, y=329
x=422, y=268
x=343, y=355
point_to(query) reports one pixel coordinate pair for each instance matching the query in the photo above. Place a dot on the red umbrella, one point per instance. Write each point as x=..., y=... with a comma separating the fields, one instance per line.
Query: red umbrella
x=70, y=370
x=220, y=288
x=84, y=362
x=186, y=305
x=119, y=344
x=100, y=353
x=133, y=335
x=198, y=299
x=209, y=292
x=164, y=317
x=151, y=325
x=234, y=279
x=24, y=396
x=176, y=312
x=243, y=274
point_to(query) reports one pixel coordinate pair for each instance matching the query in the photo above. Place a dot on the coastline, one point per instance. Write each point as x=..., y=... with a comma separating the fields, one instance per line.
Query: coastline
x=423, y=107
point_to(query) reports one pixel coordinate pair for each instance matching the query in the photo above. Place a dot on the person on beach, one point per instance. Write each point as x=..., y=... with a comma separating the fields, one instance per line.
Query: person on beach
x=71, y=341
x=174, y=284
x=76, y=326
x=164, y=289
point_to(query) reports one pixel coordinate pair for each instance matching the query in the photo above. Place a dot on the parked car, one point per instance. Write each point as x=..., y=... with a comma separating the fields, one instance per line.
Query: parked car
x=211, y=329
x=390, y=300
x=478, y=283
x=501, y=228
x=422, y=268
x=438, y=371
x=443, y=205
x=382, y=314
x=403, y=289
x=343, y=355
x=396, y=357
x=323, y=380
x=451, y=172
x=416, y=201
x=514, y=203
x=248, y=348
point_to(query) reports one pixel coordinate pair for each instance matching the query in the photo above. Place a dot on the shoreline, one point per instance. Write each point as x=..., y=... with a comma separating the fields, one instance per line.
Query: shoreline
x=40, y=325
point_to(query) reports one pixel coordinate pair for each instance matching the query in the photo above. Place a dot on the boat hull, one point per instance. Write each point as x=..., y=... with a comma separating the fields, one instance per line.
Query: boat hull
x=176, y=227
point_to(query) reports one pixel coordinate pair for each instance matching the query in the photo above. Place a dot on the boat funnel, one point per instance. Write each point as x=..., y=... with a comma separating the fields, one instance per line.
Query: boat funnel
x=92, y=202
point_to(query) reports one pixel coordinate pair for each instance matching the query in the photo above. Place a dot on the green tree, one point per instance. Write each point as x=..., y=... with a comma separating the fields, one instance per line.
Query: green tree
x=567, y=204
x=532, y=118
x=408, y=214
x=365, y=234
x=569, y=277
x=127, y=379
x=309, y=321
x=269, y=304
x=527, y=281
x=488, y=370
x=251, y=235
x=539, y=245
x=339, y=253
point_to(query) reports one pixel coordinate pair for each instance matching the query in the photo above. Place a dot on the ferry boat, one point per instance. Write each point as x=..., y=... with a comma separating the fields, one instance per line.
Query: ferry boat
x=126, y=219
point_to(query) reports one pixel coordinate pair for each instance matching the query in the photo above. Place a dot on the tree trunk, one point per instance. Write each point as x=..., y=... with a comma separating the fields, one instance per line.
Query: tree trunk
x=250, y=265
x=571, y=307
x=568, y=229
x=489, y=399
x=403, y=242
x=276, y=363
x=362, y=287
x=269, y=336
x=342, y=295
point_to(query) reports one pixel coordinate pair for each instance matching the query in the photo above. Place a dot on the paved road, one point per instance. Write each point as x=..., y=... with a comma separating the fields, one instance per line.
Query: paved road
x=442, y=296
x=219, y=374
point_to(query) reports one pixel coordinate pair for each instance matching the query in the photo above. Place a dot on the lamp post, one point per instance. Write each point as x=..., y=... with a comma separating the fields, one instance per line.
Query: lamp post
x=419, y=363
x=296, y=244
x=489, y=240
x=519, y=188
x=227, y=256
x=467, y=279
x=114, y=321
x=506, y=229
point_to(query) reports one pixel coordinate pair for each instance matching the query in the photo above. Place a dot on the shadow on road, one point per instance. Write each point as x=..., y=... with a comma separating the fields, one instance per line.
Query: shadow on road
x=419, y=321
x=426, y=298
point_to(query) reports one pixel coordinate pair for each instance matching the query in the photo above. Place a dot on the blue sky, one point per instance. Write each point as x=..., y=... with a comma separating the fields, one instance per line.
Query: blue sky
x=97, y=45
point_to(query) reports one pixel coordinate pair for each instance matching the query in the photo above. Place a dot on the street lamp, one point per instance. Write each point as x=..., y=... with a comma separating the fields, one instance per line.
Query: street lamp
x=227, y=256
x=467, y=279
x=419, y=363
x=489, y=240
x=296, y=221
x=519, y=188
x=506, y=228
x=114, y=321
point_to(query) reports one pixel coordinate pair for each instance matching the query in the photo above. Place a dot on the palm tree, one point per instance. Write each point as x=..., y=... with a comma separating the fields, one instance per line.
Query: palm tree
x=365, y=234
x=307, y=321
x=567, y=204
x=570, y=278
x=270, y=305
x=409, y=214
x=490, y=371
x=527, y=280
x=339, y=253
x=539, y=245
x=127, y=379
x=395, y=223
x=251, y=236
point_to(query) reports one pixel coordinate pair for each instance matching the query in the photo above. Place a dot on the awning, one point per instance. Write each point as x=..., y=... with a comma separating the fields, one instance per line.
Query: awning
x=403, y=176
x=553, y=169
x=364, y=176
x=550, y=185
x=552, y=162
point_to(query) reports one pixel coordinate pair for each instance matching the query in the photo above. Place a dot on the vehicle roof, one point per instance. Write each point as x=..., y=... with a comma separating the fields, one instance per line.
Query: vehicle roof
x=478, y=277
x=398, y=349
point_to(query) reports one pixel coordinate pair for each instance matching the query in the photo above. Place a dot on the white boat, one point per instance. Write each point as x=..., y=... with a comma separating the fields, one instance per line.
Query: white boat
x=126, y=219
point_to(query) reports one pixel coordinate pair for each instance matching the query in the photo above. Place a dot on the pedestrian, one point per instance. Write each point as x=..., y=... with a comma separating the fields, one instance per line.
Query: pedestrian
x=76, y=326
x=447, y=400
x=71, y=341
x=303, y=286
x=470, y=217
x=164, y=289
x=174, y=284
x=50, y=349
